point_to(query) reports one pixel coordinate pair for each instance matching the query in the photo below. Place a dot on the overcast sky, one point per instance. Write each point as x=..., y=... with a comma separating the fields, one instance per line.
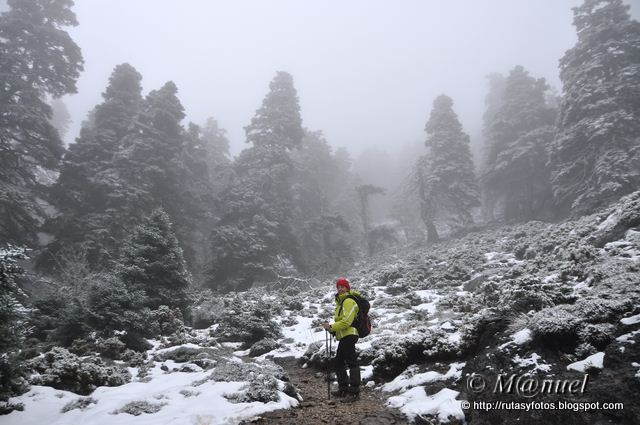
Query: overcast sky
x=366, y=71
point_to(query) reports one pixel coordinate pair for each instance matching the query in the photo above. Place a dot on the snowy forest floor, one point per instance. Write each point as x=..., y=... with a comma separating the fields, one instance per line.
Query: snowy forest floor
x=316, y=408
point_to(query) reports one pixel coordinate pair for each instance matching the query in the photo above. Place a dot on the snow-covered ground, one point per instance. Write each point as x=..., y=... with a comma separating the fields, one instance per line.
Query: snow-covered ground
x=181, y=398
x=428, y=309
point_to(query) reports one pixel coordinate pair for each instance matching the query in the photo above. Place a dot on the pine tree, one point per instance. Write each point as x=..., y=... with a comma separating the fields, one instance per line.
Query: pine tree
x=205, y=172
x=254, y=234
x=596, y=154
x=278, y=121
x=37, y=59
x=216, y=146
x=152, y=262
x=154, y=163
x=13, y=326
x=91, y=197
x=518, y=132
x=443, y=179
x=321, y=229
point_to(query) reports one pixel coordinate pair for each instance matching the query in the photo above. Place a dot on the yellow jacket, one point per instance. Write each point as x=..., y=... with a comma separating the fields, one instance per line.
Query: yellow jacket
x=346, y=312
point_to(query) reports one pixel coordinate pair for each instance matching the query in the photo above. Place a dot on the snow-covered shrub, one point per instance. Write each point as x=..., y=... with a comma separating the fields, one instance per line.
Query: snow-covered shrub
x=206, y=358
x=139, y=407
x=134, y=358
x=598, y=335
x=233, y=372
x=289, y=321
x=111, y=348
x=583, y=254
x=63, y=370
x=555, y=324
x=387, y=357
x=263, y=346
x=585, y=350
x=518, y=322
x=261, y=388
x=293, y=303
x=448, y=273
x=236, y=372
x=165, y=321
x=528, y=293
x=81, y=403
x=596, y=310
x=395, y=302
x=390, y=356
x=248, y=323
x=389, y=274
x=80, y=346
x=189, y=393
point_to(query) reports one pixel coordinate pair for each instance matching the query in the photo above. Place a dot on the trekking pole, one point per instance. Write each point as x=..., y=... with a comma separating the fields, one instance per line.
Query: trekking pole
x=327, y=349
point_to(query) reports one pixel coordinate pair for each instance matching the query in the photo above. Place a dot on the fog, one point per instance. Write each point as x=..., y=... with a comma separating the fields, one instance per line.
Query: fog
x=366, y=71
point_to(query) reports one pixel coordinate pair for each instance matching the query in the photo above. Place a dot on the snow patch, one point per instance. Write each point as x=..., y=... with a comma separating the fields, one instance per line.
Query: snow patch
x=632, y=320
x=593, y=361
x=416, y=402
x=406, y=380
x=367, y=372
x=532, y=361
x=626, y=338
x=522, y=337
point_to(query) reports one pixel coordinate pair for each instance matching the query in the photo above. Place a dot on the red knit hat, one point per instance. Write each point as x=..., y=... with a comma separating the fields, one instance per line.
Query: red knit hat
x=343, y=282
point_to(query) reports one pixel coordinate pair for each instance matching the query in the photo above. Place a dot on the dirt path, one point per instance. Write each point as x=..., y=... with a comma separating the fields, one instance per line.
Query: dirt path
x=316, y=409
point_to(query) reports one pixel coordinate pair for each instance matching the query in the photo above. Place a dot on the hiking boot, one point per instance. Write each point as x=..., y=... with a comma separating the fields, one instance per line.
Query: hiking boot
x=350, y=397
x=340, y=392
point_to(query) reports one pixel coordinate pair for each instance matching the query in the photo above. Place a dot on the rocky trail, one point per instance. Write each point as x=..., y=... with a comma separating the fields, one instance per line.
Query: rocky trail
x=370, y=409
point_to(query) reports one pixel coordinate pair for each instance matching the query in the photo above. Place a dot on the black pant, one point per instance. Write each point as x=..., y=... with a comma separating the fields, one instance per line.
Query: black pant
x=346, y=356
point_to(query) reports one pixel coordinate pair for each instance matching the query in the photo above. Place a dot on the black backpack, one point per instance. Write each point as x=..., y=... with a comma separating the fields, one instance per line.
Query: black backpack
x=361, y=322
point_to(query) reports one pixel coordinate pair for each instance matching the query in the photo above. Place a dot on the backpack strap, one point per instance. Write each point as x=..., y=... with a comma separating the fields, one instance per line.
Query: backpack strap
x=348, y=296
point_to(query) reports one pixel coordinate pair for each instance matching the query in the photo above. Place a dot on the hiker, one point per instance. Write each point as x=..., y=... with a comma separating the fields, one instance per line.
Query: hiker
x=347, y=336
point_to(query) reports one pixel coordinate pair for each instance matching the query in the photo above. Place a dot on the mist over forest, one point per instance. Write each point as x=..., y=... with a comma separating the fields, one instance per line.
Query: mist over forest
x=182, y=184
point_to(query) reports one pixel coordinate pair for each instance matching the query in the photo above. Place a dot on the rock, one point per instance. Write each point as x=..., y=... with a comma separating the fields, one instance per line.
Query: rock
x=263, y=346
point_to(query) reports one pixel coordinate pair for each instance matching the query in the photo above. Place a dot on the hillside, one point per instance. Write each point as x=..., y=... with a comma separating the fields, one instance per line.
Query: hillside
x=542, y=301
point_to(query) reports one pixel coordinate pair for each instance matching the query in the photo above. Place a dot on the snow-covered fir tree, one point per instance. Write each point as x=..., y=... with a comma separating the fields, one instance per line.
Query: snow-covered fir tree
x=205, y=173
x=156, y=165
x=152, y=262
x=321, y=228
x=13, y=326
x=255, y=232
x=33, y=39
x=443, y=179
x=277, y=122
x=90, y=196
x=596, y=154
x=519, y=129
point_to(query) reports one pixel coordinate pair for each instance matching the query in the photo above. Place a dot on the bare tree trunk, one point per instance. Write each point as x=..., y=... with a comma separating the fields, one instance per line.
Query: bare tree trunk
x=426, y=212
x=432, y=232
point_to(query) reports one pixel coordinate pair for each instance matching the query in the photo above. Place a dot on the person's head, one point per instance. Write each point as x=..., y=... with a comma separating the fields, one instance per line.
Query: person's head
x=342, y=285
